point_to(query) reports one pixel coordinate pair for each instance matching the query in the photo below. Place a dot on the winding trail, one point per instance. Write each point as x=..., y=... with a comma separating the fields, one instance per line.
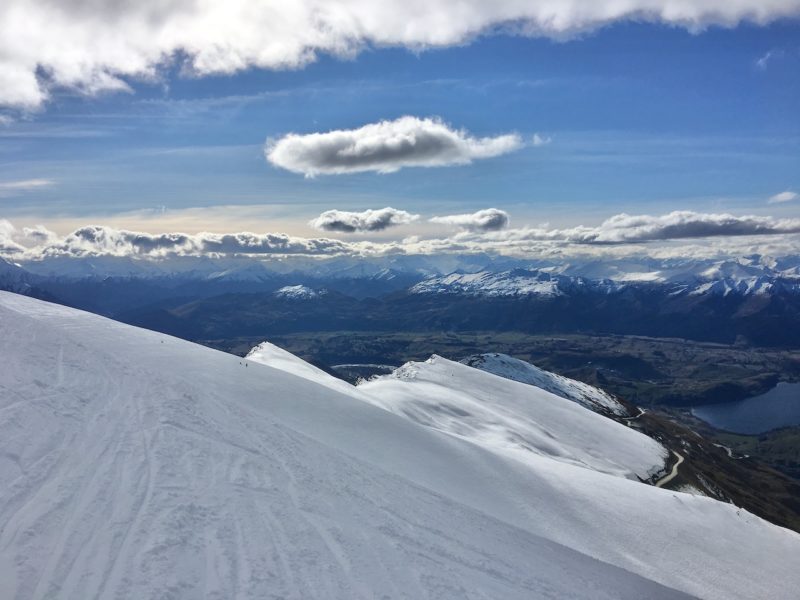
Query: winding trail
x=629, y=420
x=730, y=454
x=672, y=474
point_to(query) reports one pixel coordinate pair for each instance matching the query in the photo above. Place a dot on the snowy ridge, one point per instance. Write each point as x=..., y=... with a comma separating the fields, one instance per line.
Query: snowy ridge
x=136, y=465
x=513, y=419
x=719, y=278
x=298, y=292
x=13, y=278
x=684, y=271
x=518, y=370
x=508, y=283
x=273, y=356
x=744, y=287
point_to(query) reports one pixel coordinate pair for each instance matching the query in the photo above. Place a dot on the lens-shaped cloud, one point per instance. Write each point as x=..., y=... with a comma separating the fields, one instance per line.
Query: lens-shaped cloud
x=787, y=196
x=680, y=225
x=489, y=219
x=385, y=147
x=369, y=220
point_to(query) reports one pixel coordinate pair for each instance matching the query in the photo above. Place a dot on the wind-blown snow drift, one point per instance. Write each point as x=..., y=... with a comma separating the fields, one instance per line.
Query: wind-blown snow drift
x=513, y=419
x=518, y=370
x=135, y=465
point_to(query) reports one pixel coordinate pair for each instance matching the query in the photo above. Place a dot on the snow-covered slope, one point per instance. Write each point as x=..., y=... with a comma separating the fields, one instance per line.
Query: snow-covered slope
x=269, y=354
x=518, y=370
x=513, y=419
x=135, y=465
x=502, y=417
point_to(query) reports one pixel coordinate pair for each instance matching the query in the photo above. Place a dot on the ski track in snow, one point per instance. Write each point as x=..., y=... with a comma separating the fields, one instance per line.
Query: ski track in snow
x=135, y=465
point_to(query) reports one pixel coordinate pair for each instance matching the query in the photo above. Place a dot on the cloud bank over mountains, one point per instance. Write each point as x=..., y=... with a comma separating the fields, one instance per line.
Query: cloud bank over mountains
x=99, y=240
x=94, y=47
x=714, y=234
x=385, y=147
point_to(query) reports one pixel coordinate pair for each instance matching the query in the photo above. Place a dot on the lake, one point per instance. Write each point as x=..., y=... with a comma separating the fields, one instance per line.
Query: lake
x=779, y=407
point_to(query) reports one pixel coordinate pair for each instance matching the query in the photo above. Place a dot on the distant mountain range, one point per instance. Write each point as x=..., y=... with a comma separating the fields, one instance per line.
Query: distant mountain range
x=720, y=279
x=753, y=300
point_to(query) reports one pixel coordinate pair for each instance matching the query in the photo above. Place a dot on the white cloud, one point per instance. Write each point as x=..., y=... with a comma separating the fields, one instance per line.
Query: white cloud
x=384, y=147
x=786, y=196
x=763, y=62
x=108, y=241
x=94, y=46
x=489, y=219
x=23, y=185
x=39, y=235
x=222, y=243
x=8, y=245
x=624, y=228
x=368, y=220
x=540, y=140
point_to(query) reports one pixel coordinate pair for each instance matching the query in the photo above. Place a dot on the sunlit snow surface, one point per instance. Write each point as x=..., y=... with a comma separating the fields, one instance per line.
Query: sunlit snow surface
x=514, y=419
x=135, y=465
x=519, y=370
x=298, y=292
x=484, y=283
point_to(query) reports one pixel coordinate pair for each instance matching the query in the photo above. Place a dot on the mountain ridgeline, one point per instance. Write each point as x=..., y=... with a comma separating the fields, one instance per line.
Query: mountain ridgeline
x=745, y=302
x=530, y=302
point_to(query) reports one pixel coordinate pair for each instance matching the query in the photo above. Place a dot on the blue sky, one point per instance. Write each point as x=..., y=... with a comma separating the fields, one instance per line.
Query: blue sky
x=640, y=118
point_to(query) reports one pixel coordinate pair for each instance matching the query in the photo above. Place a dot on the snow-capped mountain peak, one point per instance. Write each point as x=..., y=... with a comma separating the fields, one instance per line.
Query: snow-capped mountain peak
x=299, y=292
x=519, y=282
